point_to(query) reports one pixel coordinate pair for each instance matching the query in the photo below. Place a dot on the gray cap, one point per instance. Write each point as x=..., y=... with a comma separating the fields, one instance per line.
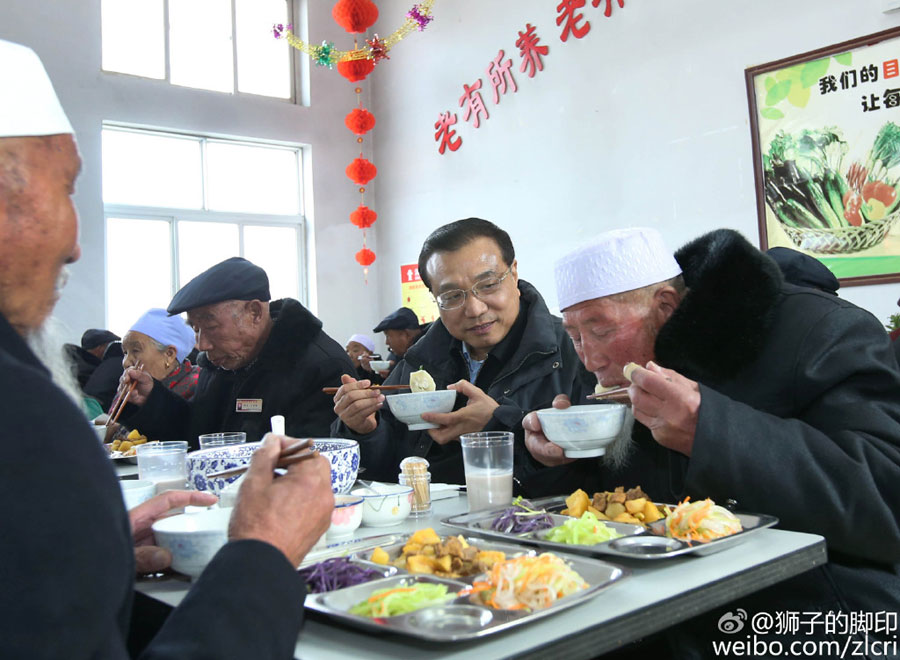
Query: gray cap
x=232, y=279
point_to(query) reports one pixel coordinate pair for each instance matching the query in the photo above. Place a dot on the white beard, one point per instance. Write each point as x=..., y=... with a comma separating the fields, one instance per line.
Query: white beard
x=618, y=453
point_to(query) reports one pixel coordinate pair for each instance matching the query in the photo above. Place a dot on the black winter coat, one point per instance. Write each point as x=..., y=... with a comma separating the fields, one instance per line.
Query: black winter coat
x=67, y=556
x=296, y=362
x=543, y=365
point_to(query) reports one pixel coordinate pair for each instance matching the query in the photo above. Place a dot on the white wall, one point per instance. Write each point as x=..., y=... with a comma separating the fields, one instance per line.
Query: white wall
x=643, y=121
x=66, y=34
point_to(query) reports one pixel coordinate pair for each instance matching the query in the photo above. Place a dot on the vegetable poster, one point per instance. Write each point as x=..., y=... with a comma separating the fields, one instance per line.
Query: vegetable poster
x=826, y=140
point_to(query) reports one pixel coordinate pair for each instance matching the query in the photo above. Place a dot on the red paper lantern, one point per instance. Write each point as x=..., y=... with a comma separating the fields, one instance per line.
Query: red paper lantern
x=365, y=257
x=363, y=217
x=355, y=15
x=354, y=70
x=361, y=171
x=360, y=121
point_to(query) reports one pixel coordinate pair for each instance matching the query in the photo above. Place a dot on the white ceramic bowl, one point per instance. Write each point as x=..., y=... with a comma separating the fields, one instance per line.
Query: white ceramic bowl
x=346, y=516
x=583, y=431
x=380, y=365
x=193, y=538
x=389, y=505
x=135, y=491
x=408, y=408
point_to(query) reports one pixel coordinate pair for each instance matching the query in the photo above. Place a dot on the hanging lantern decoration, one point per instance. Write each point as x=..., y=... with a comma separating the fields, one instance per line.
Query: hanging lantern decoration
x=365, y=257
x=355, y=70
x=363, y=217
x=360, y=121
x=361, y=171
x=355, y=15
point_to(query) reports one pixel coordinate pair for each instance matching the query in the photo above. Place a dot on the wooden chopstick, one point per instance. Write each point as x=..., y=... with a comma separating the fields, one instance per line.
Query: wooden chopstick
x=333, y=390
x=119, y=402
x=288, y=456
x=618, y=393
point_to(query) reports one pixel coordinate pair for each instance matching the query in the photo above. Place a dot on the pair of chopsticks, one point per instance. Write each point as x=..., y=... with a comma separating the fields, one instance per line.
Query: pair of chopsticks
x=333, y=390
x=289, y=455
x=118, y=404
x=618, y=394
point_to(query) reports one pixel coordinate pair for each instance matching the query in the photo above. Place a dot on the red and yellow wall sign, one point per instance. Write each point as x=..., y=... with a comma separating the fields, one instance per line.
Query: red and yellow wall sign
x=415, y=295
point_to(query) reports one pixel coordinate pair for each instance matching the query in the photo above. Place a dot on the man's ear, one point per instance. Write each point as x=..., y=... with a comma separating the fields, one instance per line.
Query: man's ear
x=665, y=301
x=255, y=309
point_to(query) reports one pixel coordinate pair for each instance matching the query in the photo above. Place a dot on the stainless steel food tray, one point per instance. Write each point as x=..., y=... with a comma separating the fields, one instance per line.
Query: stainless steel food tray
x=462, y=618
x=637, y=542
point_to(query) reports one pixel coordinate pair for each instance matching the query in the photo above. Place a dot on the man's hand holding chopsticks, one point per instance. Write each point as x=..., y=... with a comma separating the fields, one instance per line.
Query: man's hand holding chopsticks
x=356, y=405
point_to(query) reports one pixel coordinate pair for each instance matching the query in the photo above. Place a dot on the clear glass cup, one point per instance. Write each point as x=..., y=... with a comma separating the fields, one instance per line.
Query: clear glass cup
x=163, y=463
x=488, y=462
x=210, y=440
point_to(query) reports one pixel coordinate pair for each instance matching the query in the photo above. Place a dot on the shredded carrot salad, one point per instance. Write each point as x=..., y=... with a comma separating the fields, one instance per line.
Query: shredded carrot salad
x=527, y=583
x=701, y=521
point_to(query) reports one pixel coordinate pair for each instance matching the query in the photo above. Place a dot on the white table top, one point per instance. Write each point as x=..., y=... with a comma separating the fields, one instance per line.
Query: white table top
x=658, y=594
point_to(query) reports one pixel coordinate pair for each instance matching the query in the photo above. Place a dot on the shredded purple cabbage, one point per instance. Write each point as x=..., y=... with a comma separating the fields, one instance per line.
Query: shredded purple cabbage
x=521, y=517
x=336, y=573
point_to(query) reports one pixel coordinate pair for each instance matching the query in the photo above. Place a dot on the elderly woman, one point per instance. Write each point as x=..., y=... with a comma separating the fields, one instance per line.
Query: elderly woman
x=361, y=349
x=161, y=343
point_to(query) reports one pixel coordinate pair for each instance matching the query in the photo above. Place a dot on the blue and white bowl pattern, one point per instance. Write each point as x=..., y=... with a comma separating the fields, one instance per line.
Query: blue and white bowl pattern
x=217, y=459
x=344, y=458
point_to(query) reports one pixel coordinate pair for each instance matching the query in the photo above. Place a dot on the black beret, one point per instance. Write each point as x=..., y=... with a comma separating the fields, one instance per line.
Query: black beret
x=403, y=319
x=803, y=270
x=95, y=337
x=232, y=279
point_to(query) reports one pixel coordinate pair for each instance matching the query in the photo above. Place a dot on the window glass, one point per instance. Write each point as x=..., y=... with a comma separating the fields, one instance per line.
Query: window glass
x=140, y=52
x=264, y=65
x=200, y=48
x=275, y=250
x=204, y=244
x=145, y=169
x=139, y=269
x=251, y=179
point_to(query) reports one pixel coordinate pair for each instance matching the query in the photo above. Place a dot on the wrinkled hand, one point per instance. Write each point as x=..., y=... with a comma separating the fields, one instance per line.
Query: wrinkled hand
x=544, y=451
x=356, y=405
x=148, y=557
x=473, y=417
x=141, y=390
x=668, y=404
x=290, y=512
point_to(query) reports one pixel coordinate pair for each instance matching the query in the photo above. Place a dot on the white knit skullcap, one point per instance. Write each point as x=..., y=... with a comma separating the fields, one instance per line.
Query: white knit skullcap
x=365, y=340
x=28, y=104
x=614, y=262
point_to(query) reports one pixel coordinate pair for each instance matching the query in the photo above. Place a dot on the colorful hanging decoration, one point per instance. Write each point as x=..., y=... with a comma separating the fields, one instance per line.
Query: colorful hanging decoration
x=355, y=17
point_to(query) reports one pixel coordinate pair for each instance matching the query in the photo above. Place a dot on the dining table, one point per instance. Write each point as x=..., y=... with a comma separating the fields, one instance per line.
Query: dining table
x=657, y=594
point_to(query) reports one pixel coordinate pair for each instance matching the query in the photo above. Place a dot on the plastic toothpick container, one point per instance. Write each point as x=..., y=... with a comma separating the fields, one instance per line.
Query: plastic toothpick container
x=414, y=473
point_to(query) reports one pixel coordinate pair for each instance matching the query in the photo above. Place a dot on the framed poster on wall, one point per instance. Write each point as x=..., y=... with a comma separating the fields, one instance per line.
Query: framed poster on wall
x=826, y=155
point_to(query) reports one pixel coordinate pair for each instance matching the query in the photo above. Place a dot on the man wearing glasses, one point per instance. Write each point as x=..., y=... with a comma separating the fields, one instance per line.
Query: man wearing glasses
x=495, y=343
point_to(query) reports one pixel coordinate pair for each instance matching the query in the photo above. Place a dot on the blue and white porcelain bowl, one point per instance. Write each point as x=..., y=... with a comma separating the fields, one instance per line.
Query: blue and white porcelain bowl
x=344, y=458
x=193, y=537
x=408, y=408
x=206, y=461
x=583, y=431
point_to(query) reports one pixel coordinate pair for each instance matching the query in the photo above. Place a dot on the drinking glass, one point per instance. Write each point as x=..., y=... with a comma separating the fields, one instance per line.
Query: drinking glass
x=163, y=463
x=488, y=462
x=209, y=440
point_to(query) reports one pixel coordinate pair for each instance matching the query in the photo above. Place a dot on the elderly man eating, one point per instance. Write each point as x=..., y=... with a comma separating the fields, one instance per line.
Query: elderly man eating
x=781, y=397
x=67, y=548
x=259, y=359
x=495, y=343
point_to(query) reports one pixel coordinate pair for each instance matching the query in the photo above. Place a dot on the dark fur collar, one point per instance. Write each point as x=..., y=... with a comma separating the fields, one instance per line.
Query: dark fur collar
x=722, y=322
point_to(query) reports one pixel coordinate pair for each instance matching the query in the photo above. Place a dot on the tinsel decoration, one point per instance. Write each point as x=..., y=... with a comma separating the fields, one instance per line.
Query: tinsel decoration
x=420, y=16
x=359, y=121
x=355, y=15
x=324, y=55
x=377, y=49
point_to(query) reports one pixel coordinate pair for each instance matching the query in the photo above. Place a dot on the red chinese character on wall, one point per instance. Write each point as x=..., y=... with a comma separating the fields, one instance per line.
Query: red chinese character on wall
x=531, y=53
x=499, y=74
x=891, y=69
x=444, y=133
x=567, y=9
x=472, y=103
x=608, y=11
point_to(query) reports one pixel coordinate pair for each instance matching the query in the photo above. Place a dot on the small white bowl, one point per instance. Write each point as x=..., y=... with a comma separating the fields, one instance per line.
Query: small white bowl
x=346, y=516
x=193, y=538
x=583, y=431
x=389, y=504
x=380, y=365
x=136, y=491
x=408, y=408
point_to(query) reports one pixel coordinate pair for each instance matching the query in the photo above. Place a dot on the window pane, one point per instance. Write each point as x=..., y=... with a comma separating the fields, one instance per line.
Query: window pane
x=264, y=65
x=250, y=179
x=143, y=169
x=200, y=50
x=138, y=269
x=204, y=244
x=274, y=249
x=140, y=52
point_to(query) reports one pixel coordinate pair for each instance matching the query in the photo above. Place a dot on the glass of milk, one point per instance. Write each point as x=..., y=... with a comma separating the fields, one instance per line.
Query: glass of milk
x=488, y=460
x=163, y=463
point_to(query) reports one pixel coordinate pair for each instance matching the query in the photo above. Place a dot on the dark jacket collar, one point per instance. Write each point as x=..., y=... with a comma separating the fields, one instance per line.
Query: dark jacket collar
x=13, y=343
x=293, y=325
x=722, y=322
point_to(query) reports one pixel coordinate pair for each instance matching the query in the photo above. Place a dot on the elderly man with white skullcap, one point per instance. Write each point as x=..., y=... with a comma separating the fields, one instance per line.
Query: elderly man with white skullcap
x=781, y=397
x=67, y=550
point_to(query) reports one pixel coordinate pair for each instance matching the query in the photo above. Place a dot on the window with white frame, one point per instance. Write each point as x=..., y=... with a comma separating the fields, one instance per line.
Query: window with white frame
x=177, y=204
x=219, y=45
